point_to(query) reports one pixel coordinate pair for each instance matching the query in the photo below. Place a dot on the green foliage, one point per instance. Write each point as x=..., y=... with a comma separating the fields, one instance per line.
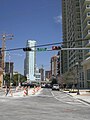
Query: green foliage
x=23, y=78
x=7, y=79
x=15, y=79
x=70, y=76
x=53, y=80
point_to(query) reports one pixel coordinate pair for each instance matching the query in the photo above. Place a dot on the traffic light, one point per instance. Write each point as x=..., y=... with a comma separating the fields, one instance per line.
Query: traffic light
x=27, y=49
x=56, y=47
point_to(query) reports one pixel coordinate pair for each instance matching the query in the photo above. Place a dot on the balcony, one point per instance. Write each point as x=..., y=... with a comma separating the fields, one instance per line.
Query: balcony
x=86, y=34
x=88, y=43
x=86, y=61
x=87, y=54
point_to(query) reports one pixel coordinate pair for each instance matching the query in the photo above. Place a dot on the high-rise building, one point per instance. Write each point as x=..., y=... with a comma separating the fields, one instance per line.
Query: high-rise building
x=30, y=61
x=54, y=65
x=47, y=75
x=41, y=70
x=9, y=68
x=85, y=25
x=37, y=75
x=0, y=58
x=76, y=26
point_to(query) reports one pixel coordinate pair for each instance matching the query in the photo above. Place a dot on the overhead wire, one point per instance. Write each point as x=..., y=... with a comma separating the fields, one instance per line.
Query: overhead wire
x=42, y=45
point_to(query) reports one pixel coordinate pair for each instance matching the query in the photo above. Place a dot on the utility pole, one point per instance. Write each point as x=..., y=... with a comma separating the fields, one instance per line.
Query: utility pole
x=4, y=38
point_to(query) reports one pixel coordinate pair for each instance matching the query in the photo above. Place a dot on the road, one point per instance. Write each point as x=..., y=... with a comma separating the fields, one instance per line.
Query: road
x=48, y=105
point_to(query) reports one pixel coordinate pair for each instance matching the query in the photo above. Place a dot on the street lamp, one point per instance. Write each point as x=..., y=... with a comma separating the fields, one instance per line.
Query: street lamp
x=78, y=93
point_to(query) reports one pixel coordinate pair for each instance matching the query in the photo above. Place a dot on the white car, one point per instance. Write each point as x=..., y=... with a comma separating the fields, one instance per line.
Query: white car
x=55, y=87
x=43, y=85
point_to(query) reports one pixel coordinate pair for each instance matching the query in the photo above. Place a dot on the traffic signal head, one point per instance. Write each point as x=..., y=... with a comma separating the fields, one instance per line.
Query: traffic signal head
x=56, y=47
x=27, y=49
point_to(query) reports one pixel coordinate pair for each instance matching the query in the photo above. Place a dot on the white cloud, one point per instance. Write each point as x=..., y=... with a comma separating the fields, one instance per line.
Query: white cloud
x=58, y=19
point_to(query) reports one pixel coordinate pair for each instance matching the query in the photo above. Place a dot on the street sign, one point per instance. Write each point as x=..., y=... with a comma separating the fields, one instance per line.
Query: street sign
x=41, y=49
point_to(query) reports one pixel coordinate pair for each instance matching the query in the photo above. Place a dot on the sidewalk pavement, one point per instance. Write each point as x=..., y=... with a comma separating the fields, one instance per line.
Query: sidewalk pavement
x=83, y=96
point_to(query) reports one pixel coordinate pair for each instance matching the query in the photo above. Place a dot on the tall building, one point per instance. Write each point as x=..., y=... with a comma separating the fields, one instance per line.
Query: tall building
x=0, y=58
x=1, y=70
x=85, y=21
x=9, y=68
x=54, y=65
x=30, y=61
x=41, y=70
x=47, y=75
x=76, y=26
x=37, y=75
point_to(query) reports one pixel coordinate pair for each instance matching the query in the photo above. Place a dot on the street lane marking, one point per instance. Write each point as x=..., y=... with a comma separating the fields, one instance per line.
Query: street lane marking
x=78, y=102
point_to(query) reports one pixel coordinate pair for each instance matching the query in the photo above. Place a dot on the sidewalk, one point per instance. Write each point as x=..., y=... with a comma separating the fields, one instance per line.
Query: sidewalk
x=84, y=95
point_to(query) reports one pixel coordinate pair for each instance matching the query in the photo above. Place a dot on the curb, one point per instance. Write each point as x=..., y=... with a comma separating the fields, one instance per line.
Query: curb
x=83, y=100
x=77, y=98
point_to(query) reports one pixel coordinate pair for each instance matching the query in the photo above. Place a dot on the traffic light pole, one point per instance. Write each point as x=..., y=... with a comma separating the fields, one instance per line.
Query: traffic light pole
x=78, y=93
x=60, y=62
x=60, y=68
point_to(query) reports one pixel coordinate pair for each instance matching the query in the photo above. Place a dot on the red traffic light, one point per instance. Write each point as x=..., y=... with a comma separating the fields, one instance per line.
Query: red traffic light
x=56, y=47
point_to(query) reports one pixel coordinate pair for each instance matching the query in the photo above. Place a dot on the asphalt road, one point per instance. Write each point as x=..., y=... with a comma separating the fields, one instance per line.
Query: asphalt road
x=48, y=105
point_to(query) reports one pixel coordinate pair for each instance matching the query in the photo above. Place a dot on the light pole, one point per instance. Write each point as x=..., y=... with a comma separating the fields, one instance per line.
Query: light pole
x=78, y=93
x=61, y=67
x=9, y=68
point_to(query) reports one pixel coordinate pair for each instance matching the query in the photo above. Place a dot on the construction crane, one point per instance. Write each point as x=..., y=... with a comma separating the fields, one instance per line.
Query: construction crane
x=4, y=38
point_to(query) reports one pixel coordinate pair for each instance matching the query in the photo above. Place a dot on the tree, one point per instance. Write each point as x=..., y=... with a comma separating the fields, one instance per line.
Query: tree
x=7, y=79
x=18, y=78
x=53, y=80
x=70, y=77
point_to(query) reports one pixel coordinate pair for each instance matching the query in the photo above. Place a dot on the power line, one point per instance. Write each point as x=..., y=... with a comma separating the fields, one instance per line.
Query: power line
x=48, y=44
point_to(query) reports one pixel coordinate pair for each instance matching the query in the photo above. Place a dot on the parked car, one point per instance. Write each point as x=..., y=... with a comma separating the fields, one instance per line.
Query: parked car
x=48, y=85
x=55, y=87
x=43, y=85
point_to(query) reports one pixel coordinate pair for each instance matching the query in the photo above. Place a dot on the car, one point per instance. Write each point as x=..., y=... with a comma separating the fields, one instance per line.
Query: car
x=55, y=87
x=48, y=85
x=42, y=85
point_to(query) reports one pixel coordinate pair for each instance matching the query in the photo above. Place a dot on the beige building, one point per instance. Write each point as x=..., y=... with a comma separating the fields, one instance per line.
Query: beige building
x=1, y=77
x=85, y=19
x=54, y=65
x=76, y=26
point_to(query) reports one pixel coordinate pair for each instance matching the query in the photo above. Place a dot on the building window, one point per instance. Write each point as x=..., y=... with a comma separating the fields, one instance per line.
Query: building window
x=88, y=74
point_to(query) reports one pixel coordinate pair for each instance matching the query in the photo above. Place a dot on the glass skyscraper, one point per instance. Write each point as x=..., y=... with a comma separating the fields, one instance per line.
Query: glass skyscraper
x=30, y=61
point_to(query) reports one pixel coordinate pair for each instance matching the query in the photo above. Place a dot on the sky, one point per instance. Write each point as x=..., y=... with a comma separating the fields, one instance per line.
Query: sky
x=39, y=20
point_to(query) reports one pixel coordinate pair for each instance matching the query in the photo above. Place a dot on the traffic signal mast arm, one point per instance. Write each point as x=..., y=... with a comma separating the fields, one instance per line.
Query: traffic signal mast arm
x=84, y=48
x=55, y=48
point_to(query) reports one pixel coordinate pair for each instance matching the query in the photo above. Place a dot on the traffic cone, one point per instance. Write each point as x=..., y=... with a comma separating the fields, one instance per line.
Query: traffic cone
x=25, y=92
x=33, y=92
